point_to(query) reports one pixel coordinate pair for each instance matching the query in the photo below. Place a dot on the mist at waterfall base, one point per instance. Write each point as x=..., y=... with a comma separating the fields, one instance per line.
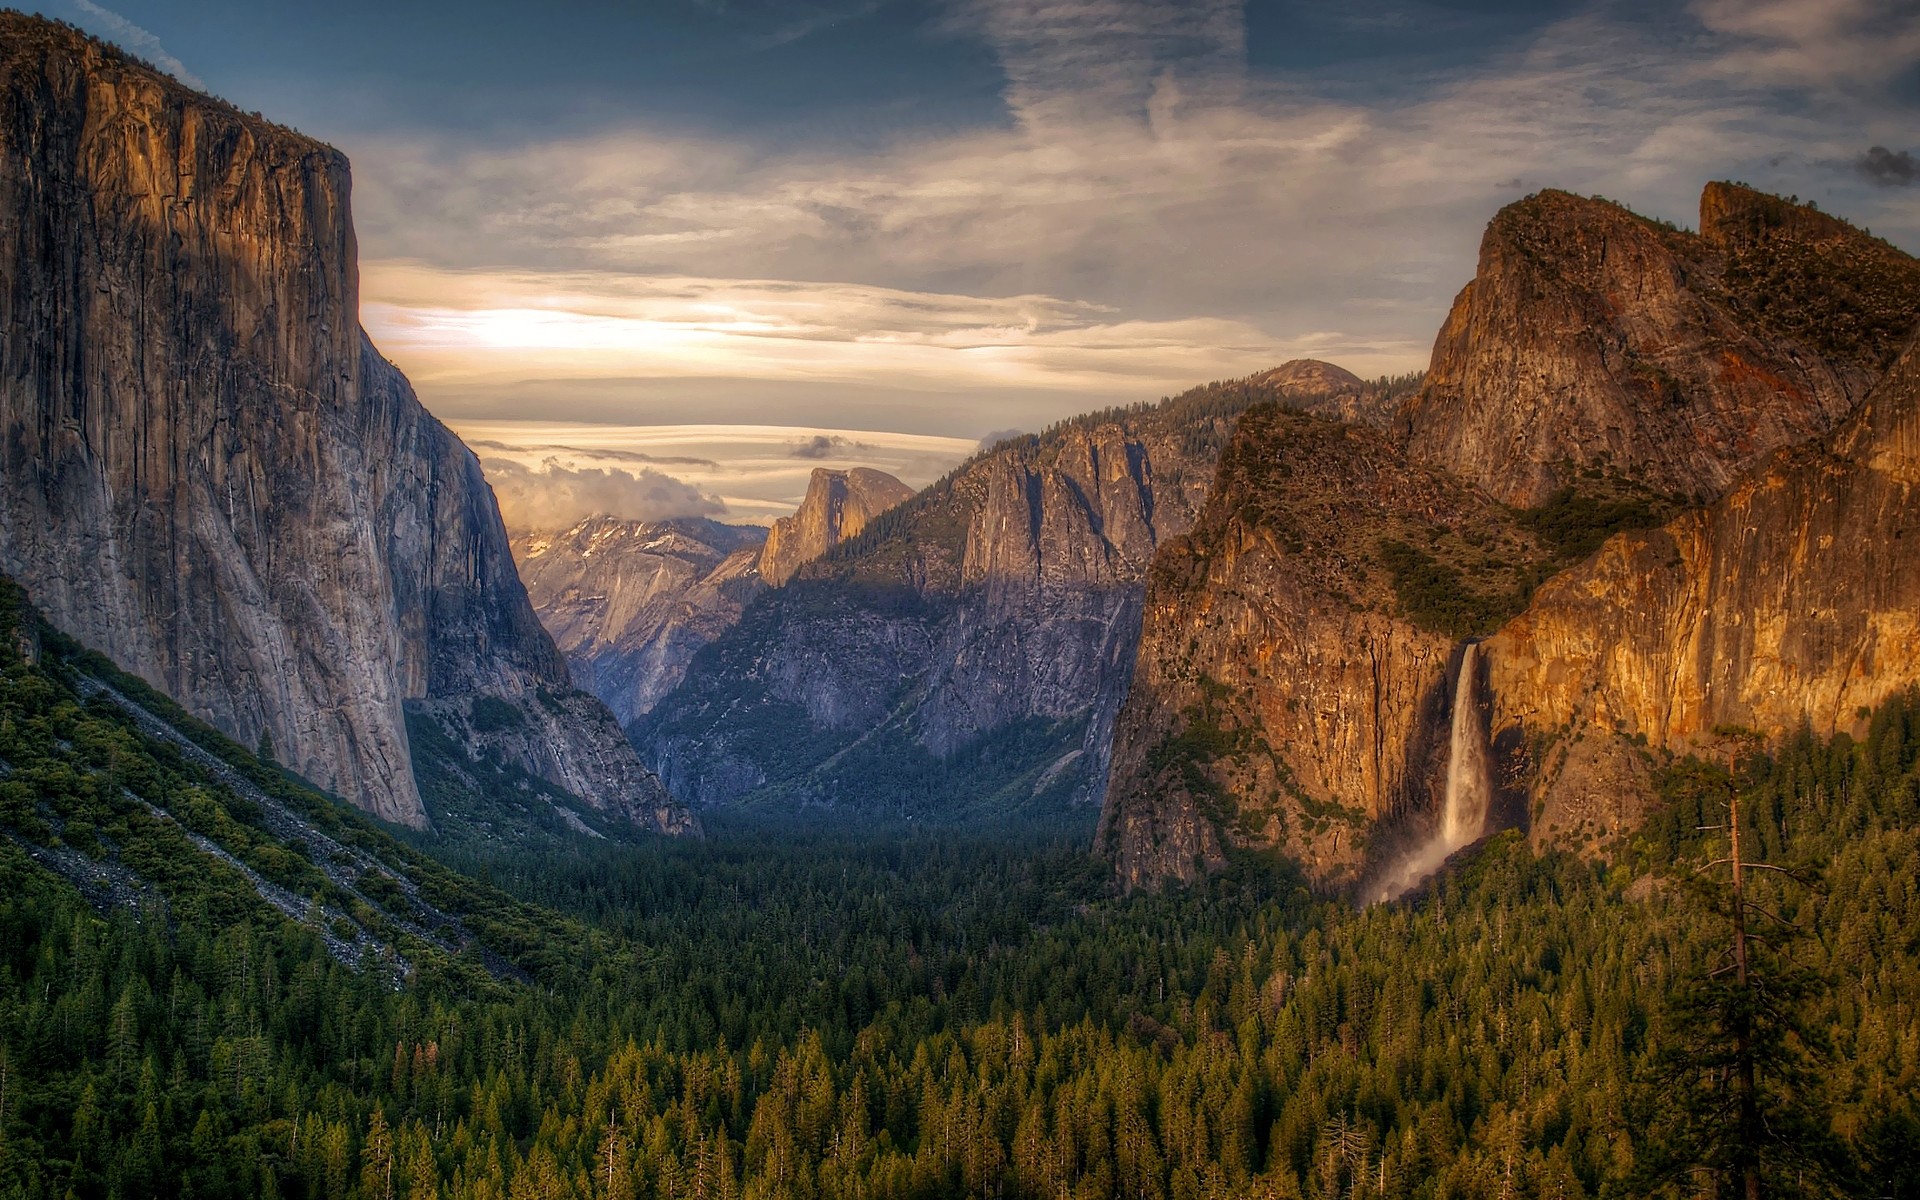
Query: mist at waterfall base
x=1463, y=818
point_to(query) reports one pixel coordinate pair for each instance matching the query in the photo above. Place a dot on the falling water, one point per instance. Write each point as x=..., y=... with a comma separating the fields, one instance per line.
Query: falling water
x=1469, y=791
x=1468, y=780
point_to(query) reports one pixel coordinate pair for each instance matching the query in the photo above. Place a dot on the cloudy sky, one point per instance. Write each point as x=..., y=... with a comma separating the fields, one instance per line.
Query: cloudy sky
x=768, y=235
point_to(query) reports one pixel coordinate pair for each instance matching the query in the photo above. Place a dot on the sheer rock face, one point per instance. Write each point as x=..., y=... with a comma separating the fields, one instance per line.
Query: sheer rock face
x=629, y=602
x=1794, y=599
x=1282, y=700
x=208, y=473
x=838, y=505
x=1008, y=593
x=1592, y=339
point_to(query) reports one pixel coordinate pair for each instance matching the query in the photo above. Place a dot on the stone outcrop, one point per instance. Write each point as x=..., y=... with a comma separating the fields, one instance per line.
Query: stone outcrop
x=208, y=472
x=1592, y=341
x=1321, y=387
x=1293, y=683
x=838, y=505
x=629, y=602
x=1793, y=601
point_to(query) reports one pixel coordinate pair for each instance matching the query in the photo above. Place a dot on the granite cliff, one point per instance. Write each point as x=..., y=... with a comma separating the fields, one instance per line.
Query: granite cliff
x=629, y=602
x=1595, y=341
x=1292, y=689
x=1793, y=601
x=838, y=505
x=209, y=473
x=1302, y=644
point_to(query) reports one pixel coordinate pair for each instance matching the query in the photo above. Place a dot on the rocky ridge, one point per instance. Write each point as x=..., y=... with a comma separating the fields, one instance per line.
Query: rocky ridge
x=1792, y=602
x=208, y=472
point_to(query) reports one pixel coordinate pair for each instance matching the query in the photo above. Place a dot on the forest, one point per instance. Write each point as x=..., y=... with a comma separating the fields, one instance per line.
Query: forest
x=799, y=1010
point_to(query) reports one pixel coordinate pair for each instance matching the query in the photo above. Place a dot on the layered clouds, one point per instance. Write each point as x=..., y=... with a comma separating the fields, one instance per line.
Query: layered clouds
x=1151, y=214
x=553, y=495
x=550, y=474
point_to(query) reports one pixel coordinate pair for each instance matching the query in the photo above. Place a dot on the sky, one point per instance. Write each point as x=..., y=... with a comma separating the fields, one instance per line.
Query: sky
x=766, y=236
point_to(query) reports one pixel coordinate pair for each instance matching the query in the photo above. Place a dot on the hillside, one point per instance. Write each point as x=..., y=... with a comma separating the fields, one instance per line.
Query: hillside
x=110, y=786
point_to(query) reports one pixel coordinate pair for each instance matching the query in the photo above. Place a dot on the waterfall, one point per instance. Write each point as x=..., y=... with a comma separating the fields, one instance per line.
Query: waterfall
x=1469, y=791
x=1469, y=781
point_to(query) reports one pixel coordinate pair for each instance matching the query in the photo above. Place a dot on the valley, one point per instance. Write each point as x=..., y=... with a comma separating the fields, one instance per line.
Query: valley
x=1497, y=779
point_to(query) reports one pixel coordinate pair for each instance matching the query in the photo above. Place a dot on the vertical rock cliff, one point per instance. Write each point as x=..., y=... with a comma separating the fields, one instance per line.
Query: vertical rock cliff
x=1292, y=689
x=838, y=505
x=1792, y=601
x=629, y=602
x=1594, y=340
x=207, y=471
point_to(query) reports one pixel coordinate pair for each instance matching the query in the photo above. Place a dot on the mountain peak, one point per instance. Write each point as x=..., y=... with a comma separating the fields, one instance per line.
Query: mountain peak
x=1595, y=342
x=838, y=505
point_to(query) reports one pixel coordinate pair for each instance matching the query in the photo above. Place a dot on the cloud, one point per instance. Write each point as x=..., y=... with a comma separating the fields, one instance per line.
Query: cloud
x=821, y=445
x=1071, y=61
x=1815, y=43
x=1884, y=168
x=1000, y=435
x=753, y=473
x=600, y=453
x=1152, y=215
x=554, y=496
x=116, y=28
x=457, y=330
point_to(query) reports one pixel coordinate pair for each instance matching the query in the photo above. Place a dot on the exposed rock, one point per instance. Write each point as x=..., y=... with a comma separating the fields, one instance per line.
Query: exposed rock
x=629, y=602
x=1289, y=689
x=1292, y=689
x=991, y=621
x=1793, y=601
x=207, y=471
x=838, y=505
x=1320, y=387
x=1594, y=340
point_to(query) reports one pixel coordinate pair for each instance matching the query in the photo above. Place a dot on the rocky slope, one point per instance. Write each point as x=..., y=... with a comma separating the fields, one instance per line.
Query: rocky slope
x=838, y=505
x=971, y=647
x=629, y=602
x=1793, y=601
x=1592, y=340
x=1293, y=685
x=208, y=472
